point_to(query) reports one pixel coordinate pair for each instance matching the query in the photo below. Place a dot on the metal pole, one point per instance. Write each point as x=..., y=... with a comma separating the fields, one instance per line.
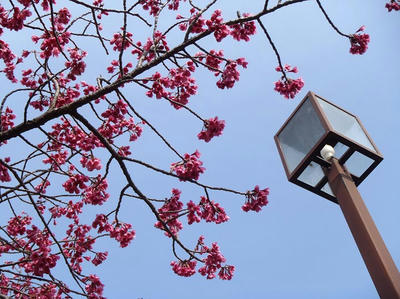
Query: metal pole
x=376, y=257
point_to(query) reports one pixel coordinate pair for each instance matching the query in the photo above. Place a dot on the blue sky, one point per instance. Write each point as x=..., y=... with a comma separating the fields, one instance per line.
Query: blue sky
x=299, y=246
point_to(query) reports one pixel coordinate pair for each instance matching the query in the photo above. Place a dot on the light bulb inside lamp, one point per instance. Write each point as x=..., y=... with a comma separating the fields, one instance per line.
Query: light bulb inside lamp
x=327, y=152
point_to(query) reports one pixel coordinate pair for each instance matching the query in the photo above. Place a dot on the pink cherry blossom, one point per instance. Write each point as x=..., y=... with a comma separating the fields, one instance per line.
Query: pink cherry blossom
x=169, y=213
x=359, y=43
x=190, y=168
x=76, y=182
x=96, y=193
x=99, y=258
x=256, y=199
x=184, y=268
x=4, y=175
x=212, y=127
x=194, y=212
x=242, y=31
x=290, y=87
x=212, y=212
x=393, y=5
x=215, y=23
x=212, y=262
x=226, y=272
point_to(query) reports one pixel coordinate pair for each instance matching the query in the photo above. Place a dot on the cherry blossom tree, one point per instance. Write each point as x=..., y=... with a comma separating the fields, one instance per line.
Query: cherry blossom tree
x=75, y=129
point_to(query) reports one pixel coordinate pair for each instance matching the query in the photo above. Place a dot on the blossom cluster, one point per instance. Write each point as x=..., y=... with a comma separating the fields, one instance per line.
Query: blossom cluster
x=180, y=80
x=4, y=175
x=41, y=260
x=154, y=6
x=8, y=58
x=393, y=5
x=208, y=210
x=122, y=232
x=197, y=24
x=213, y=263
x=230, y=74
x=212, y=127
x=256, y=199
x=184, y=268
x=286, y=86
x=190, y=168
x=157, y=43
x=359, y=42
x=6, y=120
x=169, y=213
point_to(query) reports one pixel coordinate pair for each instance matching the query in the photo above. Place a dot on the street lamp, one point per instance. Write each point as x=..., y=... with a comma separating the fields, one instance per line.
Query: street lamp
x=326, y=150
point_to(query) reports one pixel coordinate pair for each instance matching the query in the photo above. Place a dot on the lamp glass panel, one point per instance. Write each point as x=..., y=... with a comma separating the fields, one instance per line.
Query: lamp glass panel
x=345, y=124
x=312, y=174
x=327, y=189
x=340, y=149
x=300, y=134
x=358, y=163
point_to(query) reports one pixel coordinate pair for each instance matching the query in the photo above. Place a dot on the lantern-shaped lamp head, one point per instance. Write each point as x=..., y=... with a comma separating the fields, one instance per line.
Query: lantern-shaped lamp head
x=314, y=124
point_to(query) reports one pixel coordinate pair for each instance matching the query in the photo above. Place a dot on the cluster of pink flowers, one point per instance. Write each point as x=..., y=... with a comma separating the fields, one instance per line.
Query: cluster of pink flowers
x=94, y=287
x=63, y=16
x=286, y=86
x=91, y=164
x=17, y=225
x=208, y=210
x=393, y=5
x=180, y=80
x=169, y=213
x=152, y=5
x=190, y=168
x=194, y=212
x=359, y=42
x=212, y=212
x=242, y=31
x=217, y=26
x=51, y=45
x=40, y=260
x=96, y=193
x=213, y=60
x=99, y=258
x=289, y=88
x=215, y=23
x=76, y=64
x=116, y=124
x=184, y=268
x=56, y=160
x=76, y=182
x=157, y=43
x=8, y=57
x=213, y=263
x=41, y=188
x=256, y=199
x=121, y=232
x=47, y=290
x=118, y=41
x=71, y=211
x=78, y=243
x=195, y=21
x=230, y=74
x=4, y=175
x=212, y=127
x=6, y=121
x=16, y=21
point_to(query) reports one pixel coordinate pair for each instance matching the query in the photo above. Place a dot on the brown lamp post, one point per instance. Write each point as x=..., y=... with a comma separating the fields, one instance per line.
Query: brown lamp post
x=326, y=150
